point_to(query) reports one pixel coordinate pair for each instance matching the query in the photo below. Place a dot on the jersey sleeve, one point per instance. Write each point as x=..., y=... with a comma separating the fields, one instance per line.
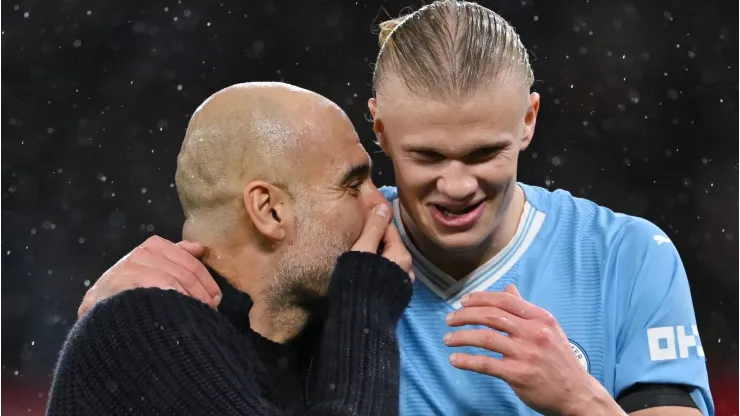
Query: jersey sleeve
x=658, y=339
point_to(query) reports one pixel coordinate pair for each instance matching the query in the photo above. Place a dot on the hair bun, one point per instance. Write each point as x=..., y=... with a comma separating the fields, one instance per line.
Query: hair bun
x=386, y=28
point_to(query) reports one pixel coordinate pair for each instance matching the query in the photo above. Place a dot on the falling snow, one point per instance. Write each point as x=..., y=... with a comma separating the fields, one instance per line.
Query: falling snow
x=639, y=111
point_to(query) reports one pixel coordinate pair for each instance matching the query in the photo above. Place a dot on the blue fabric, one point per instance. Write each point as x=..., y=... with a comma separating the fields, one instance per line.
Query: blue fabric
x=614, y=282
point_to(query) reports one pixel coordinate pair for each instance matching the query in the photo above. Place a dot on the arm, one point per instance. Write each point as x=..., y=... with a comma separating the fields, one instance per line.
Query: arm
x=660, y=366
x=147, y=352
x=667, y=411
x=359, y=359
x=157, y=263
x=660, y=362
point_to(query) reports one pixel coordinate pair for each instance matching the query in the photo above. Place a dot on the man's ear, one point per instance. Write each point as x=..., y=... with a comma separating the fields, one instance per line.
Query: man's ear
x=269, y=208
x=378, y=127
x=530, y=120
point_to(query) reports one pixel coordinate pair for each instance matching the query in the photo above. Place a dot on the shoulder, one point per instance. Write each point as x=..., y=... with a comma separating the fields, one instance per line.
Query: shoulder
x=389, y=192
x=563, y=205
x=124, y=347
x=149, y=351
x=591, y=221
x=567, y=212
x=152, y=320
x=135, y=307
x=639, y=234
x=622, y=249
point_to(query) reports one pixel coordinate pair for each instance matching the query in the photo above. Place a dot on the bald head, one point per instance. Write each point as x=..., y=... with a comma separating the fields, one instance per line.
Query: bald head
x=246, y=132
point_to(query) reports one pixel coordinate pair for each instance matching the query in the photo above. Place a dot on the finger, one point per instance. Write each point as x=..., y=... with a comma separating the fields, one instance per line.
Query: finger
x=394, y=249
x=193, y=266
x=144, y=267
x=87, y=302
x=134, y=275
x=106, y=282
x=137, y=276
x=109, y=286
x=512, y=290
x=482, y=338
x=176, y=287
x=504, y=301
x=479, y=364
x=392, y=238
x=374, y=229
x=168, y=271
x=491, y=317
x=193, y=248
x=173, y=285
x=192, y=285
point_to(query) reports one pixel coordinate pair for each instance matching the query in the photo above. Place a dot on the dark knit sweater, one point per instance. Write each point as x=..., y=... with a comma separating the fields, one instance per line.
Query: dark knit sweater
x=156, y=352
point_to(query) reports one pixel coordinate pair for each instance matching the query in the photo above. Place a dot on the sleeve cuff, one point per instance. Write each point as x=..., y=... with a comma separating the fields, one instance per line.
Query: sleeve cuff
x=366, y=275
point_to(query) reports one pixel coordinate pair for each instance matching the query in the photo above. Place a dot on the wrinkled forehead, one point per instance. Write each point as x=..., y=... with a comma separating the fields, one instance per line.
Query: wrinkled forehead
x=329, y=146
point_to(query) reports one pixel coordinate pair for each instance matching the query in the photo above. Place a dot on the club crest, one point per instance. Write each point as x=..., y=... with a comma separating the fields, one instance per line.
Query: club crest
x=580, y=354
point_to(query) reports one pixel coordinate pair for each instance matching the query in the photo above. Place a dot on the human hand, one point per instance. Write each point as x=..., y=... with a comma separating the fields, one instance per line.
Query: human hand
x=379, y=228
x=538, y=362
x=157, y=263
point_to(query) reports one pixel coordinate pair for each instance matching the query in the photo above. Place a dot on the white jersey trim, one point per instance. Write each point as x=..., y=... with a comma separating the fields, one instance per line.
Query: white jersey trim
x=451, y=290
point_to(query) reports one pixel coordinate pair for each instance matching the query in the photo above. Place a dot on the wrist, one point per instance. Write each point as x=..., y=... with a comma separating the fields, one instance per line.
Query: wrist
x=593, y=401
x=362, y=277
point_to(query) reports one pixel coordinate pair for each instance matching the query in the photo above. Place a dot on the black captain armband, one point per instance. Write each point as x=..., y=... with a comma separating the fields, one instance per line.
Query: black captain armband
x=644, y=396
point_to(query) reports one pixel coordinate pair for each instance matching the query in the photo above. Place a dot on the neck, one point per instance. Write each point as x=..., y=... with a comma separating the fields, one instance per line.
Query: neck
x=248, y=271
x=277, y=323
x=459, y=264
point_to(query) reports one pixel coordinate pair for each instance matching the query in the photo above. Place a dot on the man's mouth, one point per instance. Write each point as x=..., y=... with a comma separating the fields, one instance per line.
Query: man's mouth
x=455, y=212
x=457, y=217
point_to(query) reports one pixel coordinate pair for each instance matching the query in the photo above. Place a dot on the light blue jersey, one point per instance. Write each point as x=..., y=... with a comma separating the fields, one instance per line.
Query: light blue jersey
x=615, y=283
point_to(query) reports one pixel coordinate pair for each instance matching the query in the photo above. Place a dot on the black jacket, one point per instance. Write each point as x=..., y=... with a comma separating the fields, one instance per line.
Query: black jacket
x=155, y=352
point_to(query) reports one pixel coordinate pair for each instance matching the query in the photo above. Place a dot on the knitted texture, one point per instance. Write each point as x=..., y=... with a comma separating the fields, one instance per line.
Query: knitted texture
x=155, y=352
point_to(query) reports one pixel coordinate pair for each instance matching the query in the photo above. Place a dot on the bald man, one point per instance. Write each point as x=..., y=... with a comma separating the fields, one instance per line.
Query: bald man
x=275, y=185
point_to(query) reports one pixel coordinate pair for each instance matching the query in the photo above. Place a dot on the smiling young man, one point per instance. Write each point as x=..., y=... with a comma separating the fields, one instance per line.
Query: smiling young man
x=613, y=329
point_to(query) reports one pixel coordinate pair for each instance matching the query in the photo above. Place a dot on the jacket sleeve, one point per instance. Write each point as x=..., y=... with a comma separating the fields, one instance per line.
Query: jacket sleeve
x=358, y=371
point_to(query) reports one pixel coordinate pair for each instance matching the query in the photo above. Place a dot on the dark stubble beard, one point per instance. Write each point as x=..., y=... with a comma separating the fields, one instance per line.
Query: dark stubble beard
x=306, y=268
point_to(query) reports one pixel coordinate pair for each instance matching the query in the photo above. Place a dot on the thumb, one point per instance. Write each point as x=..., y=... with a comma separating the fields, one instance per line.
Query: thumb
x=512, y=290
x=374, y=230
x=195, y=249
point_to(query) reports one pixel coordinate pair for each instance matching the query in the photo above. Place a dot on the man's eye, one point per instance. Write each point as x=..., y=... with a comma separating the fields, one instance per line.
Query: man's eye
x=483, y=155
x=428, y=156
x=355, y=187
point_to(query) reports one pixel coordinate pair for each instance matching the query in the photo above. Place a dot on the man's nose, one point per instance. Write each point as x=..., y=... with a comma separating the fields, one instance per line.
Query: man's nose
x=457, y=184
x=374, y=197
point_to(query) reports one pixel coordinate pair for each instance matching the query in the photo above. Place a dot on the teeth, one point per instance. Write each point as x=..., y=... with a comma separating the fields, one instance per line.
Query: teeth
x=452, y=213
x=447, y=212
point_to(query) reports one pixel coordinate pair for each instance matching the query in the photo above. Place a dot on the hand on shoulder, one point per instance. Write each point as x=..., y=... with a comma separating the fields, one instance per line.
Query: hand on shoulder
x=157, y=263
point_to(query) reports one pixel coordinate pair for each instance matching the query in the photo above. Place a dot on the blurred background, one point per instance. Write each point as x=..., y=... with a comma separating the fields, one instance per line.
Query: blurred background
x=639, y=113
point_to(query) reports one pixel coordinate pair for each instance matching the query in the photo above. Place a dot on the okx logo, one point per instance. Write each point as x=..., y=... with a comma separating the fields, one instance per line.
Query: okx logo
x=672, y=342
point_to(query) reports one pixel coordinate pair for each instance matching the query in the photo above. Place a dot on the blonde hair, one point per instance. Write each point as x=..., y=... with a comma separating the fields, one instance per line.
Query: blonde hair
x=450, y=47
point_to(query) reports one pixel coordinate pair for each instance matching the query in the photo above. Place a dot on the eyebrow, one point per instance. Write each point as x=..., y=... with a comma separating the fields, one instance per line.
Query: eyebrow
x=356, y=172
x=488, y=147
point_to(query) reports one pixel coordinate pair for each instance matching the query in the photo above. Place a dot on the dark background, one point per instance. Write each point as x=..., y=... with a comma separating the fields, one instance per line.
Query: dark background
x=639, y=113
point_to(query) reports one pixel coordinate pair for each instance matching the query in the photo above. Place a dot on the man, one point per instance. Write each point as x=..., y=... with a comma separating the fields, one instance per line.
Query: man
x=265, y=169
x=613, y=322
x=607, y=326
